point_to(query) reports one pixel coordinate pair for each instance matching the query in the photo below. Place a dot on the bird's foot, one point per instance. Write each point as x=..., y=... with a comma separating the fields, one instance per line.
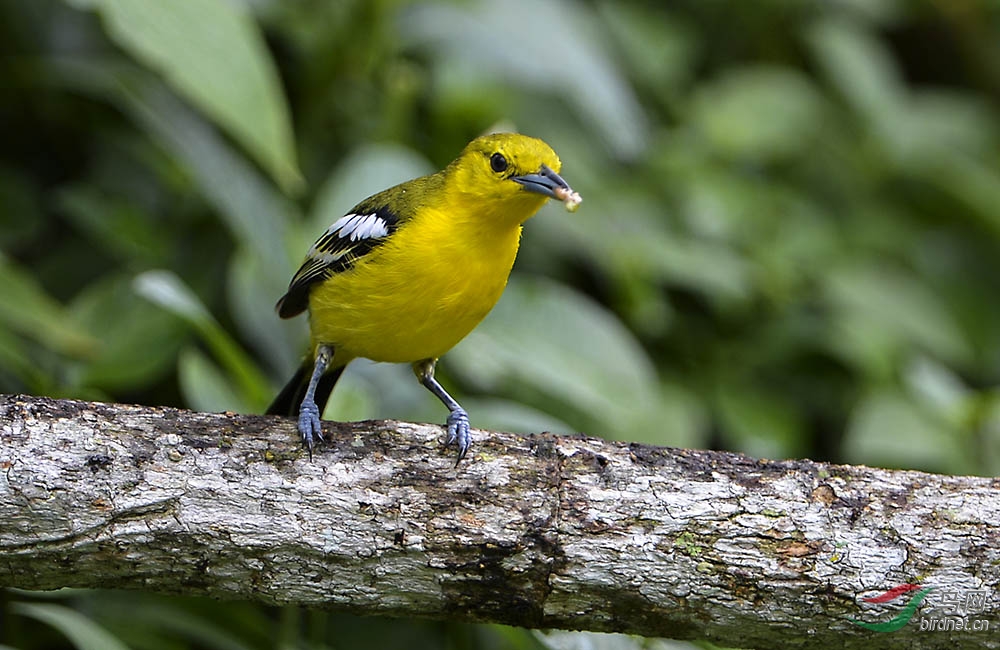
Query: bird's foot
x=309, y=425
x=458, y=432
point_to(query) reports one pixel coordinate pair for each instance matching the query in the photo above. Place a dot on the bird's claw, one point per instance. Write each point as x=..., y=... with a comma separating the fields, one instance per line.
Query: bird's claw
x=309, y=425
x=458, y=432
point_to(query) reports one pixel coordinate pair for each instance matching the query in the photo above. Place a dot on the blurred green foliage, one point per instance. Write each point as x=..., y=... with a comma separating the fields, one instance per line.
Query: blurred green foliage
x=789, y=245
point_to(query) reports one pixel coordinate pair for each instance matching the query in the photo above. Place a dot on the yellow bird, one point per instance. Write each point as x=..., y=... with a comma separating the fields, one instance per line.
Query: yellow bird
x=410, y=271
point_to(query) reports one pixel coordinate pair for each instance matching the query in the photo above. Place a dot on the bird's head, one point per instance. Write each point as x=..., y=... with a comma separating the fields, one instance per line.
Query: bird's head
x=509, y=175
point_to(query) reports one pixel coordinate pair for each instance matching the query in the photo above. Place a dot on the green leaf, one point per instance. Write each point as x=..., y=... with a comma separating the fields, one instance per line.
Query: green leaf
x=642, y=246
x=212, y=53
x=27, y=309
x=759, y=423
x=253, y=287
x=548, y=338
x=203, y=631
x=205, y=387
x=889, y=430
x=707, y=266
x=113, y=224
x=681, y=418
x=139, y=342
x=562, y=640
x=973, y=183
x=659, y=46
x=385, y=390
x=167, y=290
x=356, y=398
x=880, y=12
x=251, y=209
x=556, y=50
x=151, y=621
x=16, y=360
x=255, y=213
x=506, y=415
x=880, y=309
x=22, y=217
x=761, y=112
x=938, y=388
x=948, y=122
x=989, y=459
x=861, y=68
x=84, y=633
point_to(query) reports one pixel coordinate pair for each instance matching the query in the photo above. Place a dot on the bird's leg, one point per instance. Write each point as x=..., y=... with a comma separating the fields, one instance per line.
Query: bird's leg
x=458, y=419
x=308, y=412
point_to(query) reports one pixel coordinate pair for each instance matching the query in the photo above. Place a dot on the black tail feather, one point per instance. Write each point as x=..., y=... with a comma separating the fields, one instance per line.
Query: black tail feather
x=289, y=399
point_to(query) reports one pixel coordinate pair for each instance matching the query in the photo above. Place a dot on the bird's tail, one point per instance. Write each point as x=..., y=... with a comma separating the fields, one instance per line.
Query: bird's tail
x=290, y=398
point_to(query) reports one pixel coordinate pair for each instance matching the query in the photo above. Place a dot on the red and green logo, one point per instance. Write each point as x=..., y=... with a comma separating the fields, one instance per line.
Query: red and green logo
x=905, y=614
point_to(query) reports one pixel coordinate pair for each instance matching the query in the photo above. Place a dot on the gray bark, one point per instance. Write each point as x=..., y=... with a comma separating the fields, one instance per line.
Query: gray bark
x=537, y=531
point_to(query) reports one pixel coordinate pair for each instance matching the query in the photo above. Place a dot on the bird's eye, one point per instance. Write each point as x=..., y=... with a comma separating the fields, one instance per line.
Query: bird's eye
x=498, y=163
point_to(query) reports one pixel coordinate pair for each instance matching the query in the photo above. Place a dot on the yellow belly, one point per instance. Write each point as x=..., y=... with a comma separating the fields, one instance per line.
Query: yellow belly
x=415, y=296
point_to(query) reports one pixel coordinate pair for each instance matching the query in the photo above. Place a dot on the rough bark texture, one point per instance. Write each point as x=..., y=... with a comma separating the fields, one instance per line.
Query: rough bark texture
x=537, y=531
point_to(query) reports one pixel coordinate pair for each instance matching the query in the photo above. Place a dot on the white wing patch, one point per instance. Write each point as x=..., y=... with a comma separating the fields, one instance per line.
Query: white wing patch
x=346, y=240
x=336, y=241
x=359, y=226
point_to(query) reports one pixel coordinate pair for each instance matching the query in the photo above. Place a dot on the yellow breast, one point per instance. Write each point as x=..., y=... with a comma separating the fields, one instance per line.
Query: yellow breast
x=418, y=294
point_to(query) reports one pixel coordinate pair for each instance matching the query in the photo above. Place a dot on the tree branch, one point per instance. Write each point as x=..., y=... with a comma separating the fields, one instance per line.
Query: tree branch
x=536, y=531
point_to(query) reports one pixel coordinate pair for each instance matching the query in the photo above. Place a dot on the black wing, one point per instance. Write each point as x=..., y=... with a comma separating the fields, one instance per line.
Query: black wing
x=347, y=239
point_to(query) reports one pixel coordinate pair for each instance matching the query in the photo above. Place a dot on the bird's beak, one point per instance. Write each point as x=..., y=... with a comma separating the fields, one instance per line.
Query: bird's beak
x=545, y=182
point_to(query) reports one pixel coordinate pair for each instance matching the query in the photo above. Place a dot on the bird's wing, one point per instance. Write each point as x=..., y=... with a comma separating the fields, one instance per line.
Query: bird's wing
x=338, y=248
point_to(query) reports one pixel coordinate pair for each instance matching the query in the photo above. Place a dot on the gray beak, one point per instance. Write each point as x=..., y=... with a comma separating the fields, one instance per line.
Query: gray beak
x=545, y=182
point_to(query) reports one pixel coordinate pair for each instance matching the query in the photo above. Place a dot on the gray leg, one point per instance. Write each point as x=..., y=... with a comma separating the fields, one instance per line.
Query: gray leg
x=308, y=412
x=458, y=419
